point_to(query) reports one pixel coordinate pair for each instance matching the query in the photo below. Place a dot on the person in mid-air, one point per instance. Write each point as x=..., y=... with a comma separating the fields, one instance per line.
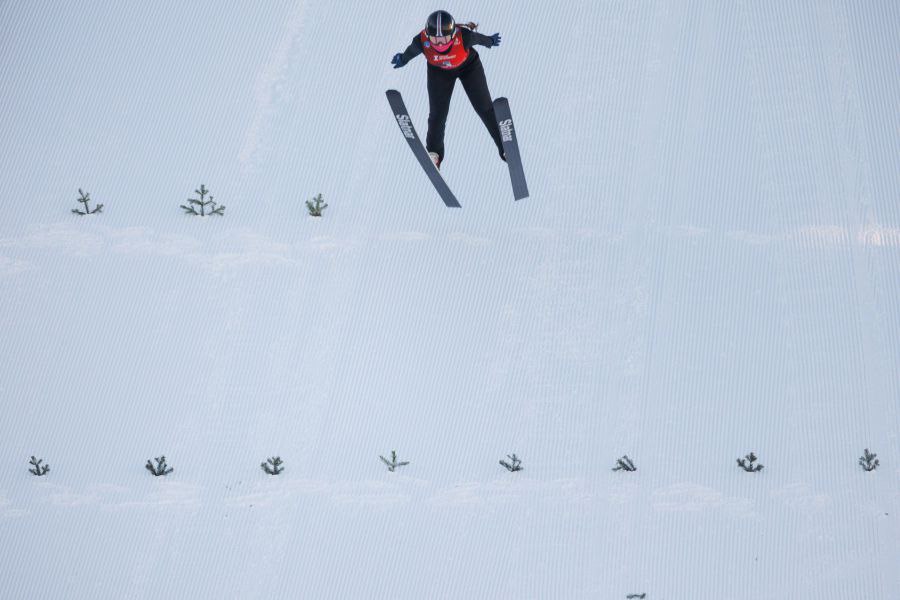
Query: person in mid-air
x=449, y=49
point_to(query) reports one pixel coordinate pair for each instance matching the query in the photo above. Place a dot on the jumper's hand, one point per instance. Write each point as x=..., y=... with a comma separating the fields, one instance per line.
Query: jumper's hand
x=398, y=61
x=495, y=40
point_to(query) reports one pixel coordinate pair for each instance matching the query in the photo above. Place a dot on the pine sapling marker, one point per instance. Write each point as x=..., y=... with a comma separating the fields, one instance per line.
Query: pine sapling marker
x=202, y=202
x=276, y=468
x=316, y=206
x=39, y=470
x=746, y=463
x=85, y=198
x=868, y=461
x=393, y=464
x=624, y=464
x=514, y=465
x=161, y=467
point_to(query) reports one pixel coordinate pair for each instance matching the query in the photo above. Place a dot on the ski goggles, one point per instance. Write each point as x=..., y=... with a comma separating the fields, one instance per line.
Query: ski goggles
x=443, y=40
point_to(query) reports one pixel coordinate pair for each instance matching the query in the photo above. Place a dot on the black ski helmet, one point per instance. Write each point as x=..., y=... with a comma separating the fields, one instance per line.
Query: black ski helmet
x=440, y=24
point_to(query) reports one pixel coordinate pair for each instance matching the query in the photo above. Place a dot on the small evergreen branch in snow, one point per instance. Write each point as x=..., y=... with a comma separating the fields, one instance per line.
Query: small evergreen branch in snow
x=276, y=467
x=316, y=206
x=746, y=463
x=625, y=464
x=85, y=198
x=868, y=461
x=161, y=467
x=514, y=465
x=202, y=202
x=39, y=470
x=393, y=464
x=636, y=596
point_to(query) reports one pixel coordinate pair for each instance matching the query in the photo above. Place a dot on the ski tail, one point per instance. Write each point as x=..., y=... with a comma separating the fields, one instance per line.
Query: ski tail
x=418, y=149
x=511, y=148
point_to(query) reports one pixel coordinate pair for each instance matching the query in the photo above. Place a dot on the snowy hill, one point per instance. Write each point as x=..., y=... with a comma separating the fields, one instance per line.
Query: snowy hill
x=708, y=266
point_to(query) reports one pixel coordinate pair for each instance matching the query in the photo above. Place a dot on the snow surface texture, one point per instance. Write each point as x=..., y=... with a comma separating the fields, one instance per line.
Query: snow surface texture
x=708, y=265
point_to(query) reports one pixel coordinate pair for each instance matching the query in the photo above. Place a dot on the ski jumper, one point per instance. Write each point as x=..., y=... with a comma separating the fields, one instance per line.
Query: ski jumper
x=459, y=61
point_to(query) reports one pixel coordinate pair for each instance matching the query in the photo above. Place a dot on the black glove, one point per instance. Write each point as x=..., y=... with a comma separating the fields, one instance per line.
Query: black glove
x=398, y=61
x=495, y=40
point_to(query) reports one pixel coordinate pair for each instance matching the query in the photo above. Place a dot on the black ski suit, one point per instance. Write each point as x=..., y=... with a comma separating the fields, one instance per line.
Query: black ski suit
x=440, y=89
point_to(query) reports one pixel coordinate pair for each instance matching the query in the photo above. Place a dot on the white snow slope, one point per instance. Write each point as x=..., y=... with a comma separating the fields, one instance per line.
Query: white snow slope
x=708, y=265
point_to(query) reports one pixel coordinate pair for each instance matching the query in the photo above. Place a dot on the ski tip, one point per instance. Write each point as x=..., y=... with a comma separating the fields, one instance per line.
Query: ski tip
x=392, y=92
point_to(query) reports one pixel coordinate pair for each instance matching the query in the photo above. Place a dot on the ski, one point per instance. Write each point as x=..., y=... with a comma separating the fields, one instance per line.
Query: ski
x=511, y=148
x=418, y=149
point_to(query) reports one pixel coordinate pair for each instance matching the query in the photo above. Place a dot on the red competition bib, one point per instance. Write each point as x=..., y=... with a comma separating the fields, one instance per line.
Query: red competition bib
x=451, y=59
